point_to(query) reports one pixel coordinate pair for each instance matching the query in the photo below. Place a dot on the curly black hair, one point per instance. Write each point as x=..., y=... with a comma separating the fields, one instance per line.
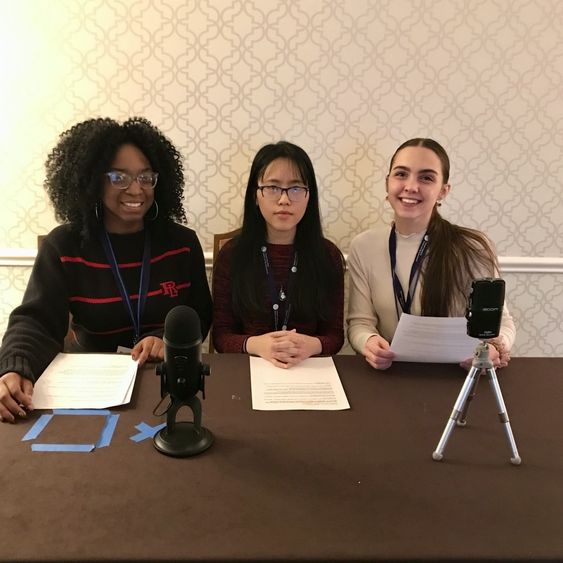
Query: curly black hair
x=75, y=169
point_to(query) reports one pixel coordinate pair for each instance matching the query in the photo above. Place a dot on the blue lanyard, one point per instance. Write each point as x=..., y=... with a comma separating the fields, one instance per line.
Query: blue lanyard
x=281, y=295
x=400, y=301
x=143, y=282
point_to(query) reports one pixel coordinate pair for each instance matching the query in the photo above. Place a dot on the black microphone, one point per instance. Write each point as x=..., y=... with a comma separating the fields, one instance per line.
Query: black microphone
x=182, y=371
x=182, y=376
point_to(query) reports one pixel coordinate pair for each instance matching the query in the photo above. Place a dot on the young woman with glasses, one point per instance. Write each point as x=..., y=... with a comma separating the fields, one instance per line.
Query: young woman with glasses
x=278, y=287
x=118, y=263
x=422, y=264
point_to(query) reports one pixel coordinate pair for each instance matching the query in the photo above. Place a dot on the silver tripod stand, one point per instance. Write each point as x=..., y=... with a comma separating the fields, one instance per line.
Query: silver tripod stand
x=481, y=361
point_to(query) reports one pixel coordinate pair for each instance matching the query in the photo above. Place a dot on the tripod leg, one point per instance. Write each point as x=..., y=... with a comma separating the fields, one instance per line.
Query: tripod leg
x=503, y=415
x=459, y=405
x=472, y=392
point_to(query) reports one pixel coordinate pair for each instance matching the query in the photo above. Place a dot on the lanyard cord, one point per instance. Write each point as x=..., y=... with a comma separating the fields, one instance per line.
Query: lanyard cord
x=400, y=301
x=279, y=296
x=143, y=281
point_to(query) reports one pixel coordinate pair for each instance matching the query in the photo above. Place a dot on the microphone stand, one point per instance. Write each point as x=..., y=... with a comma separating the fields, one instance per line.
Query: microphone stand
x=481, y=361
x=183, y=439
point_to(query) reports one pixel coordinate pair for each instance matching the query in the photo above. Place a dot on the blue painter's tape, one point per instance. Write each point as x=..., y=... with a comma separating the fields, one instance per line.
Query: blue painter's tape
x=108, y=430
x=146, y=431
x=62, y=447
x=82, y=412
x=39, y=425
x=104, y=440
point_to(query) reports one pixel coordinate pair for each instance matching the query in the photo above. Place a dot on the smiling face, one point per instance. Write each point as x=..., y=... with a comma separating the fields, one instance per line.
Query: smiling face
x=124, y=209
x=414, y=184
x=281, y=215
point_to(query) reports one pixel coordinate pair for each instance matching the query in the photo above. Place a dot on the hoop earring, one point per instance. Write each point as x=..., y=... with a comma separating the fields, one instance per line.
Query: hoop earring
x=155, y=215
x=99, y=211
x=438, y=203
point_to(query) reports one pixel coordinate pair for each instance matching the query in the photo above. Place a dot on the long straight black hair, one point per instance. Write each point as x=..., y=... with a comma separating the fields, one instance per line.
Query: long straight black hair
x=456, y=255
x=316, y=278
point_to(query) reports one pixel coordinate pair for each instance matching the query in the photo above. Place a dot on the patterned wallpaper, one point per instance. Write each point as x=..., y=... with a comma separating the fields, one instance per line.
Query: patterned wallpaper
x=347, y=80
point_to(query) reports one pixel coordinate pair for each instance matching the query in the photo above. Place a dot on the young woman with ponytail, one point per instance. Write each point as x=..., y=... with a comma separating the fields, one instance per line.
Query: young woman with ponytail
x=422, y=264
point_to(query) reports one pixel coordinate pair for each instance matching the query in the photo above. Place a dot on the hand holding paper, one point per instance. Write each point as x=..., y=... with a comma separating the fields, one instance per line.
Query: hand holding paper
x=378, y=353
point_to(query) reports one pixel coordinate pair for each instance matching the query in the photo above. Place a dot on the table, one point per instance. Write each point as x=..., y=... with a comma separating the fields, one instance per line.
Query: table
x=347, y=485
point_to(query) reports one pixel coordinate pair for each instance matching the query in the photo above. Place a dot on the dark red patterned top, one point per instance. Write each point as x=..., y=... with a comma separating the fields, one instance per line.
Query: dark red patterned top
x=230, y=333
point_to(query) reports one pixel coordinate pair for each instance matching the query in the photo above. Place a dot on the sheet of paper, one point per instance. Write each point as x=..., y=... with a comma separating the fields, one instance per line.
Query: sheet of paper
x=312, y=385
x=85, y=381
x=432, y=339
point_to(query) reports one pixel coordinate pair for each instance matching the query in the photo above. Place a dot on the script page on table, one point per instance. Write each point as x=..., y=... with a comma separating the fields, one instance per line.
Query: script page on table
x=432, y=339
x=311, y=385
x=85, y=381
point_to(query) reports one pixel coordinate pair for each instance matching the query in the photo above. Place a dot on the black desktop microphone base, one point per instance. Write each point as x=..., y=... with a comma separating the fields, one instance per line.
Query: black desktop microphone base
x=183, y=439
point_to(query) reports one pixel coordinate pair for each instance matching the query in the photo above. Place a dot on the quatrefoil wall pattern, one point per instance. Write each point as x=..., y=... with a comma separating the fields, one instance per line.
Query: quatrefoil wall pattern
x=347, y=80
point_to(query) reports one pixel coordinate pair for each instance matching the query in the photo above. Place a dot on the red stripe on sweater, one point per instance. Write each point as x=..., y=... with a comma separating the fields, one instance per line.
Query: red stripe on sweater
x=102, y=300
x=125, y=329
x=154, y=259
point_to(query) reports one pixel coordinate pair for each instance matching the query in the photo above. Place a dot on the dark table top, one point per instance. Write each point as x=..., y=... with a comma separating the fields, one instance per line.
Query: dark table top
x=316, y=485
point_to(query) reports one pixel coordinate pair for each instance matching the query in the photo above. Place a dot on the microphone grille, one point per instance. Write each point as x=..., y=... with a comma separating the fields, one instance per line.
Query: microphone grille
x=182, y=326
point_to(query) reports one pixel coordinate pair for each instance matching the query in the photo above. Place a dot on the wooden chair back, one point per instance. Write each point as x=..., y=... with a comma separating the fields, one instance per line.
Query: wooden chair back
x=219, y=239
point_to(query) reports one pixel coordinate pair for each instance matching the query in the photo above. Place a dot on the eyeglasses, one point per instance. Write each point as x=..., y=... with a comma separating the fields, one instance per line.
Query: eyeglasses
x=294, y=193
x=122, y=180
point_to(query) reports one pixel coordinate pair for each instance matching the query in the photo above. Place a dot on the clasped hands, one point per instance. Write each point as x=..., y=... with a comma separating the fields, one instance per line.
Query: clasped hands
x=378, y=354
x=284, y=348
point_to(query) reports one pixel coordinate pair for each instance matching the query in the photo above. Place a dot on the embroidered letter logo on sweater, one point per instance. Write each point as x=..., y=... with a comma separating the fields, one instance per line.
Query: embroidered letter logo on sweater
x=169, y=288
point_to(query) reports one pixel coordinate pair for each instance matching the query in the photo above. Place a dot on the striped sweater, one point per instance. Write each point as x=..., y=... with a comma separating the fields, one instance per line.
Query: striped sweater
x=69, y=277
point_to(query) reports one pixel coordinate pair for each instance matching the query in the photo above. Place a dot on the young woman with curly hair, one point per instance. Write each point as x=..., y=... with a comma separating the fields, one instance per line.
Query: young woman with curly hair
x=119, y=261
x=421, y=264
x=278, y=288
